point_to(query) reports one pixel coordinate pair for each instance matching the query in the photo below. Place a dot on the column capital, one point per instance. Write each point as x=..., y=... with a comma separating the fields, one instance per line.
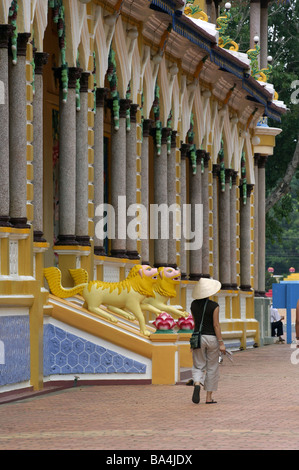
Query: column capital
x=165, y=134
x=200, y=153
x=262, y=161
x=124, y=105
x=228, y=174
x=216, y=170
x=22, y=44
x=6, y=31
x=133, y=112
x=234, y=177
x=40, y=59
x=207, y=158
x=101, y=95
x=184, y=150
x=147, y=125
x=256, y=158
x=84, y=82
x=73, y=74
x=173, y=139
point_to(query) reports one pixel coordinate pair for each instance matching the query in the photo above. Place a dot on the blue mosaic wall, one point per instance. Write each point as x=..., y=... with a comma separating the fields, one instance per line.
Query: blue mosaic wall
x=15, y=349
x=65, y=353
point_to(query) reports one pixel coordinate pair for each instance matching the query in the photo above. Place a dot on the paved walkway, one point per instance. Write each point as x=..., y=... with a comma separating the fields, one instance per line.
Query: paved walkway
x=257, y=409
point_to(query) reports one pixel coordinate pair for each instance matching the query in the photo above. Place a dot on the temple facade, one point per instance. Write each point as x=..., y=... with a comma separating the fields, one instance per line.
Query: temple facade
x=110, y=108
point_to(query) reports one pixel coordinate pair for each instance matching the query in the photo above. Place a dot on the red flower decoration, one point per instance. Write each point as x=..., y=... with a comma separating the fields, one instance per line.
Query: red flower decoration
x=164, y=322
x=186, y=323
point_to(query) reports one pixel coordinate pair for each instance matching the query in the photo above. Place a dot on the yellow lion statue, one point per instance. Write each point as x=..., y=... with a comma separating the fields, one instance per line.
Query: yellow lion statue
x=123, y=298
x=164, y=290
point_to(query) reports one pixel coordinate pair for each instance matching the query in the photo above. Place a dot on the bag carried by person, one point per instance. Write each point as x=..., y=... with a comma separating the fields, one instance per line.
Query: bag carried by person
x=195, y=339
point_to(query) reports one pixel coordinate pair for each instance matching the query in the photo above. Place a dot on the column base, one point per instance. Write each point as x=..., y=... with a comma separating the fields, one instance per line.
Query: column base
x=118, y=254
x=184, y=277
x=225, y=286
x=195, y=276
x=19, y=222
x=145, y=263
x=83, y=240
x=258, y=293
x=133, y=254
x=100, y=251
x=161, y=265
x=172, y=265
x=66, y=240
x=4, y=221
x=38, y=236
x=246, y=287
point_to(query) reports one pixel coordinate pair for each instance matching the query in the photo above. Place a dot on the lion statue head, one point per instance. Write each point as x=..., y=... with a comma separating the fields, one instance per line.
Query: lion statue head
x=168, y=278
x=142, y=279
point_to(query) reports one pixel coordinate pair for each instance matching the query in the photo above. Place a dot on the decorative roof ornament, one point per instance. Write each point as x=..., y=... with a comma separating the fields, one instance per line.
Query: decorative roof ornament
x=193, y=9
x=222, y=22
x=253, y=54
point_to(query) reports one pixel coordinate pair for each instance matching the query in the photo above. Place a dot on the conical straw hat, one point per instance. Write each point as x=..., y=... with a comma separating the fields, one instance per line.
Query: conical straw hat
x=206, y=288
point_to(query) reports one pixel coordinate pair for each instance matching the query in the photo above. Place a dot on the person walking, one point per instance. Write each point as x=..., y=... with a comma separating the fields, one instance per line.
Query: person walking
x=205, y=370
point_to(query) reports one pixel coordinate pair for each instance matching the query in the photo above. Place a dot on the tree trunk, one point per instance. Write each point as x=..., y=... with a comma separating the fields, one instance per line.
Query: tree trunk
x=283, y=185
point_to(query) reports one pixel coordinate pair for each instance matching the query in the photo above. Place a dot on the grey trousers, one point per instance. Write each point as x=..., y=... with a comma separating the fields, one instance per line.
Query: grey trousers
x=206, y=363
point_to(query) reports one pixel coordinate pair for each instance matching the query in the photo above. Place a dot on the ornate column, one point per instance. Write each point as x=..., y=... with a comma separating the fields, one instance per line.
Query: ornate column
x=18, y=135
x=206, y=214
x=131, y=184
x=233, y=230
x=264, y=34
x=40, y=59
x=98, y=165
x=5, y=34
x=216, y=170
x=261, y=223
x=160, y=197
x=195, y=198
x=255, y=20
x=256, y=224
x=67, y=159
x=147, y=124
x=82, y=236
x=118, y=181
x=245, y=239
x=183, y=254
x=224, y=234
x=171, y=198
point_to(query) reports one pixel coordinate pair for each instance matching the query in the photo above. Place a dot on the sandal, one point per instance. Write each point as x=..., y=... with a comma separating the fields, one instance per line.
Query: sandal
x=211, y=402
x=196, y=394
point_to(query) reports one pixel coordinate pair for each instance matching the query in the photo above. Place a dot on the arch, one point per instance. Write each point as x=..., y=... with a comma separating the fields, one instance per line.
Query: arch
x=149, y=83
x=4, y=9
x=102, y=41
x=249, y=159
x=136, y=88
x=124, y=47
x=75, y=12
x=199, y=121
x=24, y=16
x=39, y=22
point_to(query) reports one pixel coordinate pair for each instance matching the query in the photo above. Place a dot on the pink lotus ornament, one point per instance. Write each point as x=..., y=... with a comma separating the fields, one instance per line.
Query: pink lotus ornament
x=186, y=324
x=164, y=323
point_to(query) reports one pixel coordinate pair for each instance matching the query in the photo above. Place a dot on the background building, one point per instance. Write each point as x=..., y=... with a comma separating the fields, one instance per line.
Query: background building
x=142, y=99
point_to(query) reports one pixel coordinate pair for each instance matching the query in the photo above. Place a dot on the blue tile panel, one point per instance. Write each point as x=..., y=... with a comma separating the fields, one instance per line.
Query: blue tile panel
x=66, y=353
x=15, y=349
